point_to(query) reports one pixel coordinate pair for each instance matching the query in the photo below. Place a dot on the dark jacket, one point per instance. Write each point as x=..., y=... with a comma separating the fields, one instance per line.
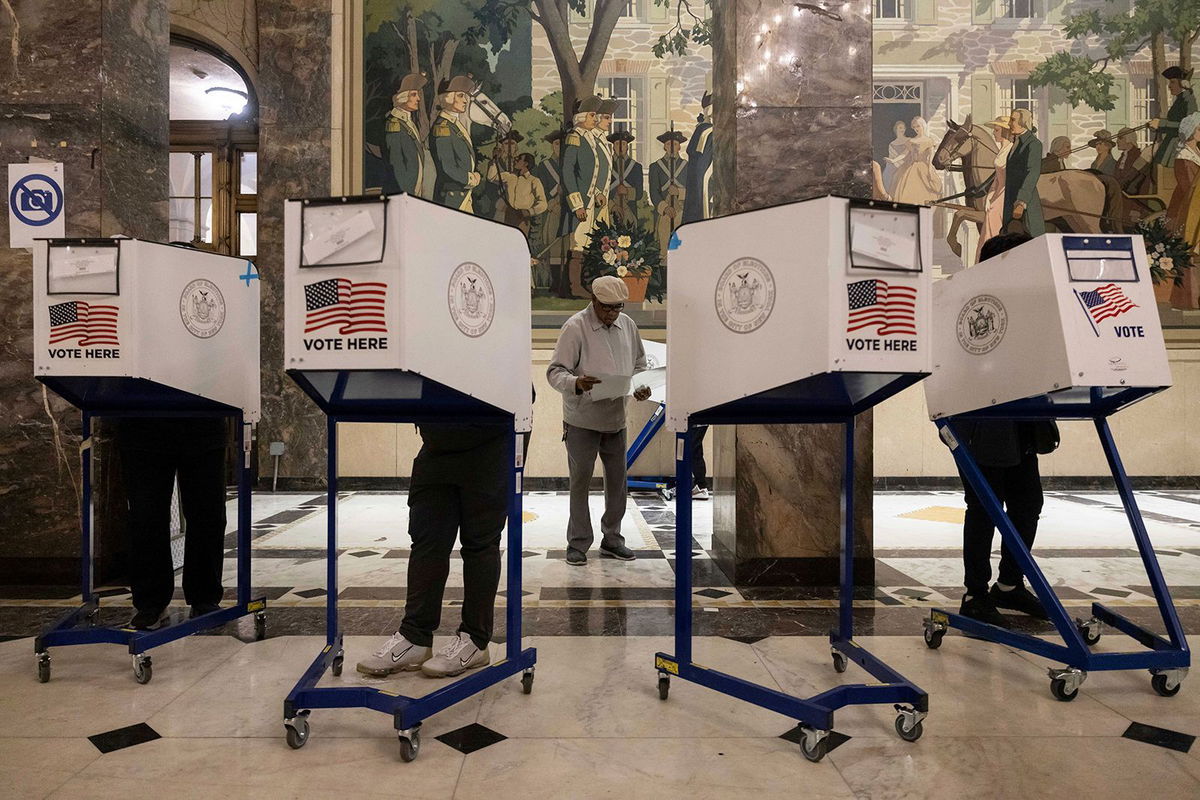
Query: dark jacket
x=1004, y=443
x=173, y=434
x=1168, y=128
x=1021, y=179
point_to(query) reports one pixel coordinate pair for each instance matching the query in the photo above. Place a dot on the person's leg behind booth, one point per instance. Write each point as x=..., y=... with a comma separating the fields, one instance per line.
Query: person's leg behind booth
x=202, y=501
x=149, y=480
x=582, y=447
x=701, y=489
x=1024, y=499
x=616, y=494
x=434, y=514
x=978, y=533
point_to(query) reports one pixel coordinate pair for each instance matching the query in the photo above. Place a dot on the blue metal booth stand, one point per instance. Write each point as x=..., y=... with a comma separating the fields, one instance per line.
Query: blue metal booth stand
x=119, y=394
x=1168, y=658
x=422, y=401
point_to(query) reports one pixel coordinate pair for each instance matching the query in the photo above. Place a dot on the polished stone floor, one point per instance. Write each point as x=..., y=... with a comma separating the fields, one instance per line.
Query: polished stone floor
x=209, y=723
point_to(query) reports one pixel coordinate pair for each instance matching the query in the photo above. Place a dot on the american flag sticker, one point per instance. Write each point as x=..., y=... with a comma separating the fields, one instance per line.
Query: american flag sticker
x=1105, y=302
x=889, y=308
x=354, y=307
x=86, y=323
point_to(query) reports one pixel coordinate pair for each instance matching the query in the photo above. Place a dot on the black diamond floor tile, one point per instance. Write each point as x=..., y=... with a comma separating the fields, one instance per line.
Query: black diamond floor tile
x=124, y=737
x=836, y=740
x=471, y=738
x=1112, y=592
x=1172, y=740
x=747, y=639
x=713, y=593
x=364, y=553
x=309, y=593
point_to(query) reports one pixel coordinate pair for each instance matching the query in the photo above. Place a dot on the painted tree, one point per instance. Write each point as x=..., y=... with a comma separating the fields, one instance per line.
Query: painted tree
x=689, y=27
x=1124, y=30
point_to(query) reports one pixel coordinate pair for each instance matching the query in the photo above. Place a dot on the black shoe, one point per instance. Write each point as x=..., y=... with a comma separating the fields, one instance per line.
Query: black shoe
x=200, y=609
x=981, y=609
x=576, y=558
x=147, y=619
x=1018, y=599
x=619, y=552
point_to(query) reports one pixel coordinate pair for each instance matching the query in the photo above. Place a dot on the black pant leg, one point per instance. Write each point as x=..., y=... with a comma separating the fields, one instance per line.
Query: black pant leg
x=484, y=514
x=434, y=513
x=1023, y=493
x=202, y=498
x=699, y=470
x=977, y=533
x=149, y=478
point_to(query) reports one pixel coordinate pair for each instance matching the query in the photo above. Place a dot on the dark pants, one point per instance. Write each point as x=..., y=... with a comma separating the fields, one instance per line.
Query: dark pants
x=149, y=477
x=583, y=445
x=699, y=470
x=459, y=495
x=1019, y=490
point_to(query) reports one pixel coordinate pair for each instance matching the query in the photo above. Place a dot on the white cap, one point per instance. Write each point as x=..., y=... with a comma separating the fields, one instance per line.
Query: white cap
x=610, y=290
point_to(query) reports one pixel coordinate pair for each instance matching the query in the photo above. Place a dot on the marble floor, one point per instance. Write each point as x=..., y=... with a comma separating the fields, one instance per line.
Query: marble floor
x=209, y=723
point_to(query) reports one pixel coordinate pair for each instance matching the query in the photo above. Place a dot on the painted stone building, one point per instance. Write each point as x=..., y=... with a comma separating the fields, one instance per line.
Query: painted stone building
x=654, y=93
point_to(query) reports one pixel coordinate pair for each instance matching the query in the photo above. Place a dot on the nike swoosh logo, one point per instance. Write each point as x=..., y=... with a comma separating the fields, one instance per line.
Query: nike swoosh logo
x=396, y=657
x=463, y=661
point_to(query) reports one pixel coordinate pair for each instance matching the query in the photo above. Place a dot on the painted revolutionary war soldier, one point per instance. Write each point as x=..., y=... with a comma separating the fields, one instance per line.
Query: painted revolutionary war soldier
x=522, y=197
x=580, y=171
x=667, y=190
x=1179, y=84
x=604, y=168
x=450, y=143
x=504, y=157
x=626, y=186
x=547, y=232
x=697, y=204
x=405, y=147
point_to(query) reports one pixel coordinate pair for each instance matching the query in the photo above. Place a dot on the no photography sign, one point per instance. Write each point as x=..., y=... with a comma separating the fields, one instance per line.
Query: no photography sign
x=35, y=203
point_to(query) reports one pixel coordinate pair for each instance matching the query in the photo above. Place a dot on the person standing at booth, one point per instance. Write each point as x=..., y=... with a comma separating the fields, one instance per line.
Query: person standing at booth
x=1007, y=454
x=153, y=453
x=451, y=147
x=599, y=340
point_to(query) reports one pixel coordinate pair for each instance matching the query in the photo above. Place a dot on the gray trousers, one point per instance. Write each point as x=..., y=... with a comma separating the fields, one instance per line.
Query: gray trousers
x=583, y=446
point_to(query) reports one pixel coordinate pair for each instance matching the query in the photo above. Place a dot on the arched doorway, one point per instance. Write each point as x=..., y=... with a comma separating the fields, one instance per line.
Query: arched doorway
x=214, y=151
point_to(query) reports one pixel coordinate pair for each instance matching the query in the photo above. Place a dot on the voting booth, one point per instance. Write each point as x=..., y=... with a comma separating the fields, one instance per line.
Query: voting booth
x=809, y=312
x=1061, y=327
x=131, y=328
x=398, y=309
x=655, y=379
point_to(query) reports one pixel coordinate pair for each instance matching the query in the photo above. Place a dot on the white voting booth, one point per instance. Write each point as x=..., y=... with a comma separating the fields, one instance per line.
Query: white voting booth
x=184, y=320
x=1057, y=315
x=809, y=312
x=398, y=309
x=1062, y=327
x=130, y=328
x=766, y=298
x=385, y=289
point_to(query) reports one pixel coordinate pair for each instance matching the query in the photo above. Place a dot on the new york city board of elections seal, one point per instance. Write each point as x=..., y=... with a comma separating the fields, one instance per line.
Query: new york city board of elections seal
x=472, y=300
x=982, y=324
x=202, y=308
x=745, y=295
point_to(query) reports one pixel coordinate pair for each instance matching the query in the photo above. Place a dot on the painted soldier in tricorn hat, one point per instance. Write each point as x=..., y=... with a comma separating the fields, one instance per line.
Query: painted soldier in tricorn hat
x=402, y=139
x=451, y=146
x=1179, y=85
x=581, y=166
x=626, y=186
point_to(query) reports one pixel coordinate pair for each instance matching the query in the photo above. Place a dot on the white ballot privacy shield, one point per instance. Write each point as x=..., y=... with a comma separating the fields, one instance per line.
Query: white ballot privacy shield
x=1057, y=313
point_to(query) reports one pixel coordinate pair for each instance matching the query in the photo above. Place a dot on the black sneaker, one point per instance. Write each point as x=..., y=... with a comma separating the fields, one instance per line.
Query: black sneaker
x=1018, y=599
x=576, y=558
x=200, y=609
x=618, y=551
x=981, y=609
x=147, y=619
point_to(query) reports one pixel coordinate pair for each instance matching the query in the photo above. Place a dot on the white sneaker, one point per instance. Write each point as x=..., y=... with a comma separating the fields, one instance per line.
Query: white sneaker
x=459, y=655
x=699, y=493
x=397, y=655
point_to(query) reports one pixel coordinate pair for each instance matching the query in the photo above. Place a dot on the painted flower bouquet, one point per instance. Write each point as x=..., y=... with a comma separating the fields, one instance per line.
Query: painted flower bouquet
x=1168, y=252
x=629, y=252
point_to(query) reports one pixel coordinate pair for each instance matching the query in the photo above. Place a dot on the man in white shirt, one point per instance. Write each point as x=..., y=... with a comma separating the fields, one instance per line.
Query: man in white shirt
x=599, y=340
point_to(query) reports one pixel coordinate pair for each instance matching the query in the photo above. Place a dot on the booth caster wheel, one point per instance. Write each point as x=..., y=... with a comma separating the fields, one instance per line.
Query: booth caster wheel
x=338, y=661
x=1065, y=683
x=410, y=744
x=43, y=667
x=1168, y=682
x=840, y=662
x=815, y=743
x=143, y=668
x=527, y=681
x=1089, y=630
x=909, y=725
x=666, y=494
x=297, y=730
x=934, y=631
x=260, y=626
x=664, y=687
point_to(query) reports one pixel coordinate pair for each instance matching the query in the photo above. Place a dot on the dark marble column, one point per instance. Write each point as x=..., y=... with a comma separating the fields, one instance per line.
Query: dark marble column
x=84, y=83
x=793, y=120
x=293, y=161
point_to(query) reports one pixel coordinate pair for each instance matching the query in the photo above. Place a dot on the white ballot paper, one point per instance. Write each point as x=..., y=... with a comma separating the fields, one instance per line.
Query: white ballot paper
x=611, y=386
x=653, y=379
x=86, y=270
x=325, y=241
x=888, y=239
